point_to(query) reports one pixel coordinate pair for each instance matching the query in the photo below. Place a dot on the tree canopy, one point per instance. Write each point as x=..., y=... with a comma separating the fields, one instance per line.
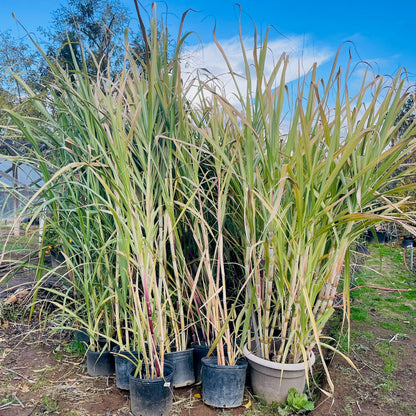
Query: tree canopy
x=89, y=29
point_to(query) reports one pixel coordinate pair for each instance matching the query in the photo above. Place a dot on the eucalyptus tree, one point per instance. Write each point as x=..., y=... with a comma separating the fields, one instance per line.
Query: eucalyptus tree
x=17, y=61
x=90, y=32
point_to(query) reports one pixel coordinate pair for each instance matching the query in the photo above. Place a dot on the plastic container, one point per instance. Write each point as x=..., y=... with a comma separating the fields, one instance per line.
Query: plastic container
x=200, y=351
x=223, y=385
x=183, y=364
x=100, y=363
x=151, y=397
x=123, y=362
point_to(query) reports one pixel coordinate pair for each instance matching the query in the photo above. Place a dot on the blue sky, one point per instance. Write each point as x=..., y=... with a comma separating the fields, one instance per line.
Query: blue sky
x=381, y=32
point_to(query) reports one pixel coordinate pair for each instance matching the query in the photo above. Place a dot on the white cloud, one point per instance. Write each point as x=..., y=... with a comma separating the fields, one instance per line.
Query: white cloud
x=208, y=57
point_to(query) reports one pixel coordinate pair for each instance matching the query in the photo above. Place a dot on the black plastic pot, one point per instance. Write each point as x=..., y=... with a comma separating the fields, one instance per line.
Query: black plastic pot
x=123, y=361
x=378, y=237
x=81, y=335
x=151, y=397
x=223, y=385
x=382, y=236
x=361, y=248
x=183, y=365
x=100, y=363
x=200, y=351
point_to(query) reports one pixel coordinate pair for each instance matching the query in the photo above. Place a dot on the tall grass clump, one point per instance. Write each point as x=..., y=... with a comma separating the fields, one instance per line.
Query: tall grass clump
x=311, y=173
x=114, y=199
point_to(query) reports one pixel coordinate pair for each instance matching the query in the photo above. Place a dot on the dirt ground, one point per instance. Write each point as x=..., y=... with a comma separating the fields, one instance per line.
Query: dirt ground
x=39, y=377
x=369, y=391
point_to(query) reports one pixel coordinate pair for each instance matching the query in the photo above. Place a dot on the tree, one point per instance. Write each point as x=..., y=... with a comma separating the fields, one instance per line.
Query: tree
x=17, y=60
x=408, y=112
x=89, y=29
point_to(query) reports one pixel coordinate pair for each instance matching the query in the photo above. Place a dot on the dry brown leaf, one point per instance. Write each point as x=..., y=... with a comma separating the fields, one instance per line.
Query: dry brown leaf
x=18, y=296
x=24, y=387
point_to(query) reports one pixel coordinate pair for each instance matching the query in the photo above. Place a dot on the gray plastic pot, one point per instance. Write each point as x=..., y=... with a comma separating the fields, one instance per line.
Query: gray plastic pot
x=271, y=380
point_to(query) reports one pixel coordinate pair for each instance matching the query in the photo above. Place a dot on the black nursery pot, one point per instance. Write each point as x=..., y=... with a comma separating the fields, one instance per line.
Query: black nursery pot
x=381, y=236
x=183, y=365
x=123, y=363
x=100, y=363
x=200, y=351
x=81, y=335
x=223, y=385
x=151, y=397
x=378, y=237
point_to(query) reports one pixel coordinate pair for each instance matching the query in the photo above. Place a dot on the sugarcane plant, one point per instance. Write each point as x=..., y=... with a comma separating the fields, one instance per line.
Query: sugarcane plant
x=112, y=156
x=311, y=174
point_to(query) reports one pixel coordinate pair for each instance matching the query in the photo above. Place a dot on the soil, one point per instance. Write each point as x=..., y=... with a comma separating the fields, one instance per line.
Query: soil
x=369, y=391
x=37, y=376
x=40, y=376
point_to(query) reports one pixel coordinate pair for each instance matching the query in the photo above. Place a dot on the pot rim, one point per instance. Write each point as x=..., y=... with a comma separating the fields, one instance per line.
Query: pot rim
x=179, y=352
x=277, y=366
x=208, y=361
x=166, y=378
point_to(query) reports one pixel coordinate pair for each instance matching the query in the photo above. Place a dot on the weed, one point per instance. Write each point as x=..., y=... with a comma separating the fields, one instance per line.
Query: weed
x=58, y=353
x=366, y=335
x=9, y=399
x=411, y=294
x=13, y=312
x=395, y=327
x=224, y=413
x=261, y=408
x=388, y=385
x=388, y=355
x=298, y=402
x=41, y=382
x=75, y=347
x=49, y=405
x=406, y=409
x=350, y=401
x=359, y=314
x=405, y=308
x=392, y=300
